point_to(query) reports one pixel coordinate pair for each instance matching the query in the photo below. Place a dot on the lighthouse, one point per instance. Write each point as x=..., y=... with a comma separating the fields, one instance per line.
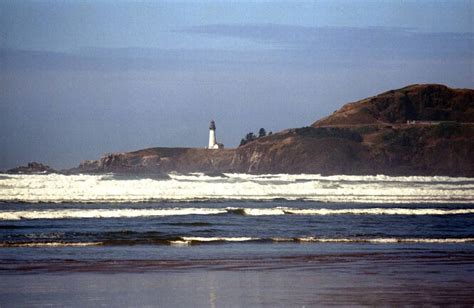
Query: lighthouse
x=212, y=137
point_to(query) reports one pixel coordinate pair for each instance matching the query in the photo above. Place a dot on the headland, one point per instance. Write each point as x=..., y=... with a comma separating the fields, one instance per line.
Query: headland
x=421, y=129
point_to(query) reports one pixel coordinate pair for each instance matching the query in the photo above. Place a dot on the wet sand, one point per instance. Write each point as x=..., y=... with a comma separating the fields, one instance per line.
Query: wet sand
x=227, y=288
x=305, y=281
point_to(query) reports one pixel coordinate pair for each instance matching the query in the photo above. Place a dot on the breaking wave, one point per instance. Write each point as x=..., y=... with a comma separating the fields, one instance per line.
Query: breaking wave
x=57, y=188
x=191, y=240
x=134, y=213
x=50, y=244
x=187, y=241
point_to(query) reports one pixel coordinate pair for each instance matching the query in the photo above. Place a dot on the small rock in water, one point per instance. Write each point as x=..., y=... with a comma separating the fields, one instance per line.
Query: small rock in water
x=32, y=168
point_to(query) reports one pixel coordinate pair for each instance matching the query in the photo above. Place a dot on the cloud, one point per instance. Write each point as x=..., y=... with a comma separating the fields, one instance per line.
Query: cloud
x=369, y=42
x=280, y=47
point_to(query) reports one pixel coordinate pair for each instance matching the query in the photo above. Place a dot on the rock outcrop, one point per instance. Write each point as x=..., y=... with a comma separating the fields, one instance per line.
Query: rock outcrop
x=161, y=160
x=32, y=168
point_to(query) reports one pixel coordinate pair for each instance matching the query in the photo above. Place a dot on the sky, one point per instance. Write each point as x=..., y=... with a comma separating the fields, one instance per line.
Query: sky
x=79, y=79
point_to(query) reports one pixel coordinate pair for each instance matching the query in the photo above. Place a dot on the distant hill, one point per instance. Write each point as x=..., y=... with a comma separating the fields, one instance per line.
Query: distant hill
x=425, y=102
x=416, y=130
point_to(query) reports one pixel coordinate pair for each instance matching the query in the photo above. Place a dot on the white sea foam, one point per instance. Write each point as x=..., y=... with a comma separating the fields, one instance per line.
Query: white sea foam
x=218, y=239
x=105, y=213
x=386, y=240
x=186, y=241
x=348, y=178
x=357, y=211
x=51, y=244
x=261, y=212
x=380, y=211
x=191, y=187
x=133, y=213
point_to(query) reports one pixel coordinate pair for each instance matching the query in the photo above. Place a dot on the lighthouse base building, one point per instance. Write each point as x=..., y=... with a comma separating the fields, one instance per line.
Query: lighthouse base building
x=212, y=138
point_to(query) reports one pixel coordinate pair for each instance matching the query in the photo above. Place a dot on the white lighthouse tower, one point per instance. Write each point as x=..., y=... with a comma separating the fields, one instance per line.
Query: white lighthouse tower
x=212, y=137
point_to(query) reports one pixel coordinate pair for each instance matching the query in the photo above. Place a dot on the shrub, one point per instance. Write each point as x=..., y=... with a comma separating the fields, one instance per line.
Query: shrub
x=447, y=129
x=329, y=132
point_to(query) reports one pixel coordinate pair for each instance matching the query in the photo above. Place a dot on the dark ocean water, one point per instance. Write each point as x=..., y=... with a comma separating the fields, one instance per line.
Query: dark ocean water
x=229, y=252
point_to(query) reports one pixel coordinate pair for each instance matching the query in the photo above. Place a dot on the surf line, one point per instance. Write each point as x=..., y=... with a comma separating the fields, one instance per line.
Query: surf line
x=133, y=213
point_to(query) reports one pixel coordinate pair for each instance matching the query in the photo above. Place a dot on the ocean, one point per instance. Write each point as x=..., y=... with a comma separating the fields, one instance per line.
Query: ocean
x=235, y=240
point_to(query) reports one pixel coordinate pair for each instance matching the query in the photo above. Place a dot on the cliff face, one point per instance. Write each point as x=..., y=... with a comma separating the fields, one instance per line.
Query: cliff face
x=371, y=136
x=441, y=149
x=161, y=160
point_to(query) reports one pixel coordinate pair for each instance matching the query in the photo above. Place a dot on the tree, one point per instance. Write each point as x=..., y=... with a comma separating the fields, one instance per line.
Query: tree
x=249, y=137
